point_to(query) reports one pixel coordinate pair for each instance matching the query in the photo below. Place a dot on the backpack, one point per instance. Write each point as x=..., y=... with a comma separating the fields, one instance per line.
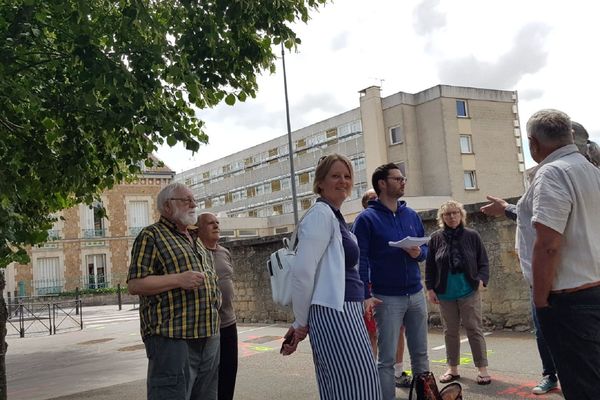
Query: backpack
x=425, y=388
x=280, y=265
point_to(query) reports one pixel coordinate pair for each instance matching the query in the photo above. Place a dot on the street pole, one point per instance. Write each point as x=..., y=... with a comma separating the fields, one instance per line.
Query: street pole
x=289, y=133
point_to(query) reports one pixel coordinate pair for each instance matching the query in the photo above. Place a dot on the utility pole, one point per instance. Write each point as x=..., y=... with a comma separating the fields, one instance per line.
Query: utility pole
x=289, y=133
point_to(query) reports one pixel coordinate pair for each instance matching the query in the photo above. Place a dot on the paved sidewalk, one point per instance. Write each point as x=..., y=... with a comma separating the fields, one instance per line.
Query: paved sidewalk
x=107, y=361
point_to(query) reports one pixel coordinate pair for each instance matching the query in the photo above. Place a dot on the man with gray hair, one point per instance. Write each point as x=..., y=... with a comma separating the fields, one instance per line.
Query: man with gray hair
x=559, y=247
x=209, y=234
x=179, y=302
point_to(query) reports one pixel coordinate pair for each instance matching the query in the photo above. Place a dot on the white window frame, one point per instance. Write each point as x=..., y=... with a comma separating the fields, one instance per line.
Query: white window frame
x=470, y=180
x=137, y=216
x=401, y=134
x=466, y=108
x=48, y=275
x=469, y=143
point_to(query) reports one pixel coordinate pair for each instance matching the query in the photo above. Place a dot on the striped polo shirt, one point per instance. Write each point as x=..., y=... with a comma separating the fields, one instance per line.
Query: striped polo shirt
x=160, y=249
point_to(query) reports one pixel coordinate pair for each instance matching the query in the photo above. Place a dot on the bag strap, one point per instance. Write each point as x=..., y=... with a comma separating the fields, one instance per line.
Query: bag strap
x=412, y=387
x=292, y=242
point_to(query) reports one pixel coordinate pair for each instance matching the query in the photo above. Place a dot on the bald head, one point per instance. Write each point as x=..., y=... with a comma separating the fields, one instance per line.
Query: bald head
x=208, y=229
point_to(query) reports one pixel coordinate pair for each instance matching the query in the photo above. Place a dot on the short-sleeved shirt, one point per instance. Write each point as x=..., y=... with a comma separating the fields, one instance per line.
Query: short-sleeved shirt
x=160, y=249
x=564, y=195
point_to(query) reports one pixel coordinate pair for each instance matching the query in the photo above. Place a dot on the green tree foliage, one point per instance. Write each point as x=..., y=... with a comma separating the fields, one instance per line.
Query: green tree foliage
x=88, y=88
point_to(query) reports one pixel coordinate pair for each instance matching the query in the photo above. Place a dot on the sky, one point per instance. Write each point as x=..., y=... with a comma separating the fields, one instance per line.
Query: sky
x=542, y=49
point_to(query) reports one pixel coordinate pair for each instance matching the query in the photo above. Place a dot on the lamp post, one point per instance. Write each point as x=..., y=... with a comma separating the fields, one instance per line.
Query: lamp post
x=289, y=134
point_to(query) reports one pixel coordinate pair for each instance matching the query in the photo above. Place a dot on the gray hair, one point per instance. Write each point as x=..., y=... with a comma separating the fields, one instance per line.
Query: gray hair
x=166, y=193
x=551, y=127
x=593, y=153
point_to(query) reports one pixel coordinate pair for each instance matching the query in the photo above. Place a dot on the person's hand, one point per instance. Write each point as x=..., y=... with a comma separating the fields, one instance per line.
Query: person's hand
x=300, y=333
x=370, y=304
x=292, y=338
x=495, y=208
x=481, y=285
x=414, y=251
x=190, y=280
x=432, y=297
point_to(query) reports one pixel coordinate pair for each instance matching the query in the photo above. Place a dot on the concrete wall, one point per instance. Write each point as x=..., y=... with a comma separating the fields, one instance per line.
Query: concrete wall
x=505, y=301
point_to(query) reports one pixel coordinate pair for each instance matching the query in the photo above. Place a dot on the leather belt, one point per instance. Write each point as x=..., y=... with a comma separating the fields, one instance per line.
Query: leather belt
x=576, y=289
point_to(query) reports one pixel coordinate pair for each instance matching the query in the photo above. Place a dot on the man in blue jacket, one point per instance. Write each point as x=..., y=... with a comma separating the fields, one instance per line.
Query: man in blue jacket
x=393, y=273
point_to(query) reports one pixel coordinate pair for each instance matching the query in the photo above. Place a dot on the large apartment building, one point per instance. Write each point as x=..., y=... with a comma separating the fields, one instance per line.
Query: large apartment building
x=450, y=142
x=86, y=250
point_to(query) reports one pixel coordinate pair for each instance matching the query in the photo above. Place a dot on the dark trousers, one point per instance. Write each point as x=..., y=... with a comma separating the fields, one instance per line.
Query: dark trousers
x=571, y=327
x=548, y=368
x=228, y=363
x=182, y=369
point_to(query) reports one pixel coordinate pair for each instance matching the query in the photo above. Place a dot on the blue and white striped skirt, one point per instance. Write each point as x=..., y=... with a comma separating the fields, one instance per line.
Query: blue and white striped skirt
x=342, y=353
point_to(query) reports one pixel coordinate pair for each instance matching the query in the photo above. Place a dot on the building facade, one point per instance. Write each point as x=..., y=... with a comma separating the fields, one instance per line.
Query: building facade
x=86, y=250
x=450, y=142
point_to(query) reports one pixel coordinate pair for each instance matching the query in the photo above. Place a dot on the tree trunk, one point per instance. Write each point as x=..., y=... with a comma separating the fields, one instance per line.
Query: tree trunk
x=3, y=344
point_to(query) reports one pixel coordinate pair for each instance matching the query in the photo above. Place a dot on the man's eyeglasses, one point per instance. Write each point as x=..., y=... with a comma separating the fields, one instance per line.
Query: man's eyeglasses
x=186, y=200
x=399, y=179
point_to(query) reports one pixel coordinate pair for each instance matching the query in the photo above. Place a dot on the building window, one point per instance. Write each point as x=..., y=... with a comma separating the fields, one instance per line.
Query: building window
x=396, y=135
x=247, y=232
x=227, y=233
x=466, y=147
x=279, y=231
x=137, y=216
x=303, y=179
x=330, y=133
x=358, y=164
x=96, y=271
x=47, y=276
x=278, y=209
x=470, y=180
x=94, y=221
x=402, y=166
x=305, y=204
x=461, y=109
x=276, y=185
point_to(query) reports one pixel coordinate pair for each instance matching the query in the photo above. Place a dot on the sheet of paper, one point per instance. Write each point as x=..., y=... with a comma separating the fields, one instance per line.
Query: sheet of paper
x=410, y=241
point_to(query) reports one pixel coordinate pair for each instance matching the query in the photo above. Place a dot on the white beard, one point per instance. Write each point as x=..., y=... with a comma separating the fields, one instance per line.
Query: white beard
x=185, y=217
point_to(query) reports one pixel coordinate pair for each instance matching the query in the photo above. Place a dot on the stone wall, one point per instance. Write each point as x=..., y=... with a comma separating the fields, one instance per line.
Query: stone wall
x=505, y=300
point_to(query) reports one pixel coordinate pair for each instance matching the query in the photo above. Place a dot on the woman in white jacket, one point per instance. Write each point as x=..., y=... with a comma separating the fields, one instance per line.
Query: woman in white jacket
x=328, y=295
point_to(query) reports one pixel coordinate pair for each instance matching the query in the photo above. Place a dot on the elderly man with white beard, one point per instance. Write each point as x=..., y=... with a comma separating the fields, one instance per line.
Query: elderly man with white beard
x=179, y=301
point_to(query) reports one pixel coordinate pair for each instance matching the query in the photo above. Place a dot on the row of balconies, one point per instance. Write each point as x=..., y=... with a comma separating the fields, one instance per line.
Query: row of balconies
x=56, y=234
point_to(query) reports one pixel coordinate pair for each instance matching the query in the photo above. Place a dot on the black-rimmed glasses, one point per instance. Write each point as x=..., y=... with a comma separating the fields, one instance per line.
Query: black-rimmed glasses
x=399, y=179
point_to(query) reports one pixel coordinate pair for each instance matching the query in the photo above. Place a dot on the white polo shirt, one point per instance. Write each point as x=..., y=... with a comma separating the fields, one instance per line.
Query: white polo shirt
x=564, y=195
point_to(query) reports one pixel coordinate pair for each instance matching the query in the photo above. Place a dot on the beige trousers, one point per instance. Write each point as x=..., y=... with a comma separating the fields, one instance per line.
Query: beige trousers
x=467, y=310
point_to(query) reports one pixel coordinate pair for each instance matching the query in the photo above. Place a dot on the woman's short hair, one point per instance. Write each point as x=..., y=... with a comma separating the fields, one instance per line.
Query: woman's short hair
x=368, y=196
x=324, y=165
x=451, y=205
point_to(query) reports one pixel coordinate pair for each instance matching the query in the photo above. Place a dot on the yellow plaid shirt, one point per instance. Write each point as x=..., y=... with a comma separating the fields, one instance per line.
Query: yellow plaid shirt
x=160, y=249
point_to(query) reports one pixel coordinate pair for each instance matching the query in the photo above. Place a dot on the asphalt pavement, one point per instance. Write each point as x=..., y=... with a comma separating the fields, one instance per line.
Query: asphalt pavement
x=106, y=361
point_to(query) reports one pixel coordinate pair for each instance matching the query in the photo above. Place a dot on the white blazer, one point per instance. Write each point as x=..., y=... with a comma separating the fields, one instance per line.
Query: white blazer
x=318, y=275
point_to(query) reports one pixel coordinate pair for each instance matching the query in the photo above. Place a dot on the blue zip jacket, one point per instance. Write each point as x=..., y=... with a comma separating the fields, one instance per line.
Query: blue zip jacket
x=390, y=270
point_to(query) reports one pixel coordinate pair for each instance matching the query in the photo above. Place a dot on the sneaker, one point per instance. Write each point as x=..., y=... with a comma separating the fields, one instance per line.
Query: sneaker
x=404, y=380
x=545, y=385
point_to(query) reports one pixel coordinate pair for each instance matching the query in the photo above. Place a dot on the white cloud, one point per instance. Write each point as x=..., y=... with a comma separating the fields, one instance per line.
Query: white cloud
x=410, y=46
